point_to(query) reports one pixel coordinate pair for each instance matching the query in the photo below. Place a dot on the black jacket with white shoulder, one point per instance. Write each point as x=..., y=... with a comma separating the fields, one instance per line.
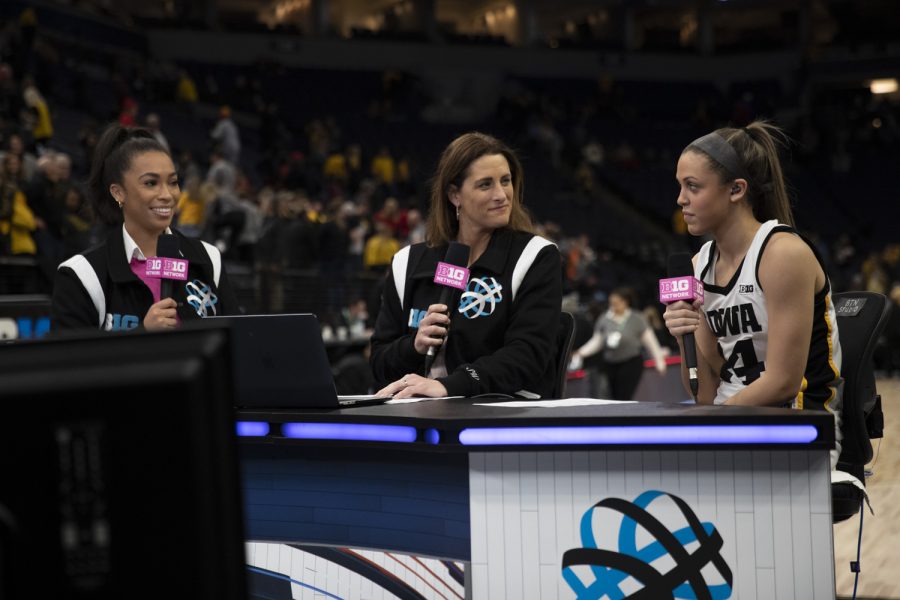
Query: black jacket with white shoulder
x=97, y=289
x=502, y=334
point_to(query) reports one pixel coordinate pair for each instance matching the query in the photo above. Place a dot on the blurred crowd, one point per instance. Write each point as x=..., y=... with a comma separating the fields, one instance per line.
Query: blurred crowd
x=284, y=193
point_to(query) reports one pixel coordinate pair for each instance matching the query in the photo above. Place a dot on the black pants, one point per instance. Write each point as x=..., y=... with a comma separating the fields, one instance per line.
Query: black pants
x=624, y=377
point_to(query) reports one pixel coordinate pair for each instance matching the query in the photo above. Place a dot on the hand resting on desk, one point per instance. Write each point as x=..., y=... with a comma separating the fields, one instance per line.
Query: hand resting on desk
x=414, y=385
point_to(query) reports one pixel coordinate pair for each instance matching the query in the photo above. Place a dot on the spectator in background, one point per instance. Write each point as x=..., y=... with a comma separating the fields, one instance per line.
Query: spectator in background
x=354, y=167
x=335, y=168
x=225, y=134
x=11, y=101
x=128, y=116
x=28, y=161
x=405, y=186
x=152, y=124
x=225, y=220
x=78, y=223
x=253, y=221
x=222, y=172
x=87, y=140
x=415, y=226
x=355, y=318
x=46, y=197
x=17, y=222
x=383, y=167
x=271, y=253
x=579, y=258
x=187, y=166
x=380, y=248
x=359, y=227
x=186, y=91
x=39, y=116
x=190, y=213
x=394, y=217
x=302, y=234
x=334, y=242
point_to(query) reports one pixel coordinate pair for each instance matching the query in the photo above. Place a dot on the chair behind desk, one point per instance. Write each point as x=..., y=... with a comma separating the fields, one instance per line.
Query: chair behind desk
x=564, y=337
x=861, y=317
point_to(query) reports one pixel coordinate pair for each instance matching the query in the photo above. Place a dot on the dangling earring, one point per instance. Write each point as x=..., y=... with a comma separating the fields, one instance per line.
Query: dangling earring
x=120, y=203
x=457, y=213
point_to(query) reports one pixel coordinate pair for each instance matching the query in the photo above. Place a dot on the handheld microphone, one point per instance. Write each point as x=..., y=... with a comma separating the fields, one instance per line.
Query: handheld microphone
x=453, y=275
x=167, y=265
x=682, y=285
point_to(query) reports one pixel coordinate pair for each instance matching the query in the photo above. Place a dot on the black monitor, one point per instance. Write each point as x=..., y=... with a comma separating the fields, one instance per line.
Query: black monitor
x=118, y=468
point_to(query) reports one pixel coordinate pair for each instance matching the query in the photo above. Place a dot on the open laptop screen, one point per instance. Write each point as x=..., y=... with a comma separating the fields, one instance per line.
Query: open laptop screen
x=280, y=362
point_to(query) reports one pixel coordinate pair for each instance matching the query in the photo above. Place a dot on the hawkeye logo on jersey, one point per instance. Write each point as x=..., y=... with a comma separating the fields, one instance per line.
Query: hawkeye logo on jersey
x=745, y=288
x=733, y=320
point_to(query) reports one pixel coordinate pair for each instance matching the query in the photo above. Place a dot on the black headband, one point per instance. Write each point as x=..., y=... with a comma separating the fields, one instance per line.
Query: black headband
x=718, y=149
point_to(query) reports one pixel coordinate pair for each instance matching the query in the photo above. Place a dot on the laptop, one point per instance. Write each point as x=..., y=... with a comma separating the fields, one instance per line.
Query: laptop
x=280, y=362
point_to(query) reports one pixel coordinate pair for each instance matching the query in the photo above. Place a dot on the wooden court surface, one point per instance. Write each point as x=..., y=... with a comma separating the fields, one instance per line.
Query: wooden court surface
x=880, y=574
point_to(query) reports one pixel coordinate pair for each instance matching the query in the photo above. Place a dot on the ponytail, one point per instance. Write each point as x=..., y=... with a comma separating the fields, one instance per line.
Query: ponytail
x=756, y=147
x=113, y=154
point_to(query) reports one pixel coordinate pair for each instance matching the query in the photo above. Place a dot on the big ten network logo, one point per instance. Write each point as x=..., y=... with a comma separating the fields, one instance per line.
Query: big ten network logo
x=451, y=275
x=674, y=289
x=23, y=328
x=654, y=547
x=167, y=268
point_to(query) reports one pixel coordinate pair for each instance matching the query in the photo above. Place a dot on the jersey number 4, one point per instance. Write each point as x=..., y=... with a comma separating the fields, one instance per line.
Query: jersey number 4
x=742, y=363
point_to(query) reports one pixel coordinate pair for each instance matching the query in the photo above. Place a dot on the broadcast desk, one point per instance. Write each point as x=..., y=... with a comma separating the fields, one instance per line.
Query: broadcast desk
x=569, y=502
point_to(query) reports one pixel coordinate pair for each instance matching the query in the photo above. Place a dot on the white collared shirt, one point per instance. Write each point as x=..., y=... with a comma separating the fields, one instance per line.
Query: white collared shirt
x=132, y=250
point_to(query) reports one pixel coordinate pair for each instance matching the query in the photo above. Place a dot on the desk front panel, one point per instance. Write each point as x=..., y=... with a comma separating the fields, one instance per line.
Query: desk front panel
x=747, y=524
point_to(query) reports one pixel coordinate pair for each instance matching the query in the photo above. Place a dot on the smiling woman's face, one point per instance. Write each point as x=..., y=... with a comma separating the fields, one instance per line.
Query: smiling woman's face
x=486, y=195
x=148, y=193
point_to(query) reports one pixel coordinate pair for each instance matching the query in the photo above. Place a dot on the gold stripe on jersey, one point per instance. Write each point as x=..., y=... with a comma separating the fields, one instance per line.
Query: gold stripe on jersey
x=834, y=370
x=798, y=402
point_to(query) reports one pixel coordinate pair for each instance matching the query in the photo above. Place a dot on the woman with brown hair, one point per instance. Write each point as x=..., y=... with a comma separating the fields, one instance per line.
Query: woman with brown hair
x=503, y=333
x=766, y=333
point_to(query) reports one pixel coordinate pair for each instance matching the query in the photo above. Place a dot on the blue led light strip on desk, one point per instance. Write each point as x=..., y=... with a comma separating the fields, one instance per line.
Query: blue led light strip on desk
x=252, y=428
x=349, y=431
x=639, y=434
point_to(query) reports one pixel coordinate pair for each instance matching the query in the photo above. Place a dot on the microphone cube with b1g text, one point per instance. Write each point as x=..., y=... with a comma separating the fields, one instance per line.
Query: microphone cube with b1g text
x=451, y=276
x=167, y=268
x=674, y=289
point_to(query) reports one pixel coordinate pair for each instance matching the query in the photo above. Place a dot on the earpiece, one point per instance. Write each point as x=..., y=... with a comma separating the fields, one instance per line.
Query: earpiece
x=735, y=189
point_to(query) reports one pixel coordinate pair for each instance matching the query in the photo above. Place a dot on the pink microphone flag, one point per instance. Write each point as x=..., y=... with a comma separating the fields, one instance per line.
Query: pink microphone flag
x=451, y=275
x=674, y=289
x=167, y=268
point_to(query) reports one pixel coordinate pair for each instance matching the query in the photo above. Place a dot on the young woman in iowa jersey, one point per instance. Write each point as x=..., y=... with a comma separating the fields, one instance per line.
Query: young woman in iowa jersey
x=766, y=332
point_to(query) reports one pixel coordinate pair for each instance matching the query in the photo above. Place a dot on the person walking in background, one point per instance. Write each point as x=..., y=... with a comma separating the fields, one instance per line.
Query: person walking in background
x=226, y=135
x=621, y=333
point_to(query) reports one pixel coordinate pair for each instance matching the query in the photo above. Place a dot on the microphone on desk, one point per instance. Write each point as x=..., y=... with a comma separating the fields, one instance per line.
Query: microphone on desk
x=682, y=285
x=167, y=265
x=453, y=274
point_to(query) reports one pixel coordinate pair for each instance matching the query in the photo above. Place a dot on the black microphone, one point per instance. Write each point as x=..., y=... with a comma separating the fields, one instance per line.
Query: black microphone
x=166, y=247
x=680, y=267
x=453, y=274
